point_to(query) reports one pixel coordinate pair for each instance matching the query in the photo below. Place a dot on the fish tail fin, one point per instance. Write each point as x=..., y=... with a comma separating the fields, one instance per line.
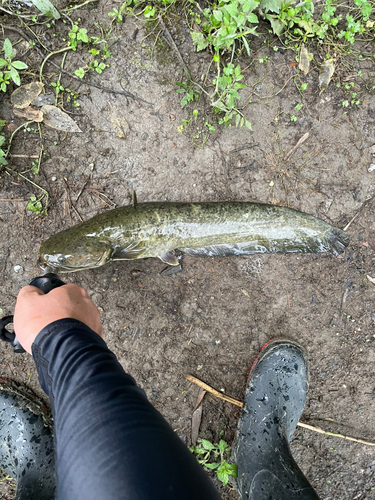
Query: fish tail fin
x=338, y=241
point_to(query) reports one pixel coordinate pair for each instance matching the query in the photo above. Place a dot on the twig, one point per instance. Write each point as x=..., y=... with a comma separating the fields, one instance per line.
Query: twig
x=68, y=9
x=209, y=389
x=171, y=43
x=10, y=199
x=25, y=156
x=70, y=201
x=274, y=95
x=359, y=213
x=342, y=436
x=46, y=59
x=11, y=137
x=81, y=191
x=301, y=141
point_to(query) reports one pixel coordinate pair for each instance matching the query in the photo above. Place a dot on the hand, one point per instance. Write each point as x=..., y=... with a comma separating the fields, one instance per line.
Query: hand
x=35, y=310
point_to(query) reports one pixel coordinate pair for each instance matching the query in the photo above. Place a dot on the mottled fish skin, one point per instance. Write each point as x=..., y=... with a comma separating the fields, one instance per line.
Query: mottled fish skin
x=211, y=229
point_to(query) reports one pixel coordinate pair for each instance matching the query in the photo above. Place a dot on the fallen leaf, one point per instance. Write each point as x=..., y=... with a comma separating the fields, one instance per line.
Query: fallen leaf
x=325, y=74
x=29, y=113
x=57, y=119
x=44, y=99
x=371, y=280
x=46, y=7
x=365, y=244
x=292, y=64
x=200, y=397
x=25, y=94
x=304, y=62
x=195, y=424
x=119, y=124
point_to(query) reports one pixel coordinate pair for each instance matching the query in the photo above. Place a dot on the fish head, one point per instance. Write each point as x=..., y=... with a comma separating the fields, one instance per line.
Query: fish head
x=73, y=254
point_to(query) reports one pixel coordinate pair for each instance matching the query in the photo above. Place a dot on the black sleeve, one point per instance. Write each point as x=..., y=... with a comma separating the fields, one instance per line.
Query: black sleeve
x=111, y=443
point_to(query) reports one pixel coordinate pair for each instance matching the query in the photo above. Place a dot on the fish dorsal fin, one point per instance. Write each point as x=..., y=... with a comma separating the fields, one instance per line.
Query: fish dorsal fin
x=135, y=202
x=169, y=258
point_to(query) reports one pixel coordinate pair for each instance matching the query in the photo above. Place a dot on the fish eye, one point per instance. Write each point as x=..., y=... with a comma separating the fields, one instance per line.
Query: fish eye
x=62, y=260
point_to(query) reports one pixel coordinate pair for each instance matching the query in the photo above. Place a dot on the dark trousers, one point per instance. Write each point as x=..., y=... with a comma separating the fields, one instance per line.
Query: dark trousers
x=111, y=443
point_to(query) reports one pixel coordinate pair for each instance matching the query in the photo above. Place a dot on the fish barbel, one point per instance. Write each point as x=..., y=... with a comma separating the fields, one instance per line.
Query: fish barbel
x=202, y=229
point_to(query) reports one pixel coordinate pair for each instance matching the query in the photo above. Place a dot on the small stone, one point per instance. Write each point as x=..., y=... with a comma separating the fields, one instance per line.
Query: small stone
x=144, y=136
x=54, y=178
x=371, y=168
x=91, y=166
x=18, y=269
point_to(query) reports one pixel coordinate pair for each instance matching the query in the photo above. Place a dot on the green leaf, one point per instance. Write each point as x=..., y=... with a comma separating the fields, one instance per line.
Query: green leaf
x=199, y=40
x=218, y=15
x=3, y=62
x=207, y=445
x=3, y=86
x=271, y=5
x=80, y=72
x=19, y=65
x=246, y=45
x=8, y=49
x=223, y=477
x=3, y=161
x=277, y=26
x=249, y=5
x=252, y=18
x=248, y=125
x=366, y=10
x=2, y=140
x=232, y=8
x=222, y=444
x=212, y=466
x=15, y=76
x=46, y=8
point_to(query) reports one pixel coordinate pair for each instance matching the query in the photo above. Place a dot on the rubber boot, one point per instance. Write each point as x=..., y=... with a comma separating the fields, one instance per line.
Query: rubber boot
x=26, y=442
x=274, y=400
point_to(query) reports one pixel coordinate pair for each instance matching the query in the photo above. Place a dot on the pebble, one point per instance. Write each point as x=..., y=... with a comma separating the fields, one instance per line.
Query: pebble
x=54, y=179
x=18, y=269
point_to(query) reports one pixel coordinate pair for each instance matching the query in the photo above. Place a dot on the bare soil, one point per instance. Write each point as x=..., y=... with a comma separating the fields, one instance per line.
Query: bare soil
x=211, y=319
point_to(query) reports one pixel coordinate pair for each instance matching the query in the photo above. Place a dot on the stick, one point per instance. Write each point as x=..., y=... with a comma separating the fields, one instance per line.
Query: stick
x=171, y=43
x=209, y=389
x=301, y=141
x=25, y=156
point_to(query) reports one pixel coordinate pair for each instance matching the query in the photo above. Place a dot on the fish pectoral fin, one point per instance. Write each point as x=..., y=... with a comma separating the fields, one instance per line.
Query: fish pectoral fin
x=169, y=258
x=133, y=251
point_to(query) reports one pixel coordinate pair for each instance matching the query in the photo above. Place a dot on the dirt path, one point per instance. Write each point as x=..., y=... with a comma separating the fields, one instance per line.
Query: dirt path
x=211, y=319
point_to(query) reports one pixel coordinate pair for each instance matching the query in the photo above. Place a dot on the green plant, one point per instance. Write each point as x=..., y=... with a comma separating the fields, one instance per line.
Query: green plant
x=77, y=35
x=190, y=93
x=205, y=452
x=2, y=141
x=224, y=98
x=116, y=14
x=35, y=205
x=11, y=66
x=293, y=118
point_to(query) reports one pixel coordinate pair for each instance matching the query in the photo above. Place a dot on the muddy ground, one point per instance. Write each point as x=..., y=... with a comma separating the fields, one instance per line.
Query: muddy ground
x=211, y=319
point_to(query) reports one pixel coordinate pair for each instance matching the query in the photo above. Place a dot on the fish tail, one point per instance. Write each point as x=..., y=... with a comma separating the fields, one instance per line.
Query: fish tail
x=337, y=241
